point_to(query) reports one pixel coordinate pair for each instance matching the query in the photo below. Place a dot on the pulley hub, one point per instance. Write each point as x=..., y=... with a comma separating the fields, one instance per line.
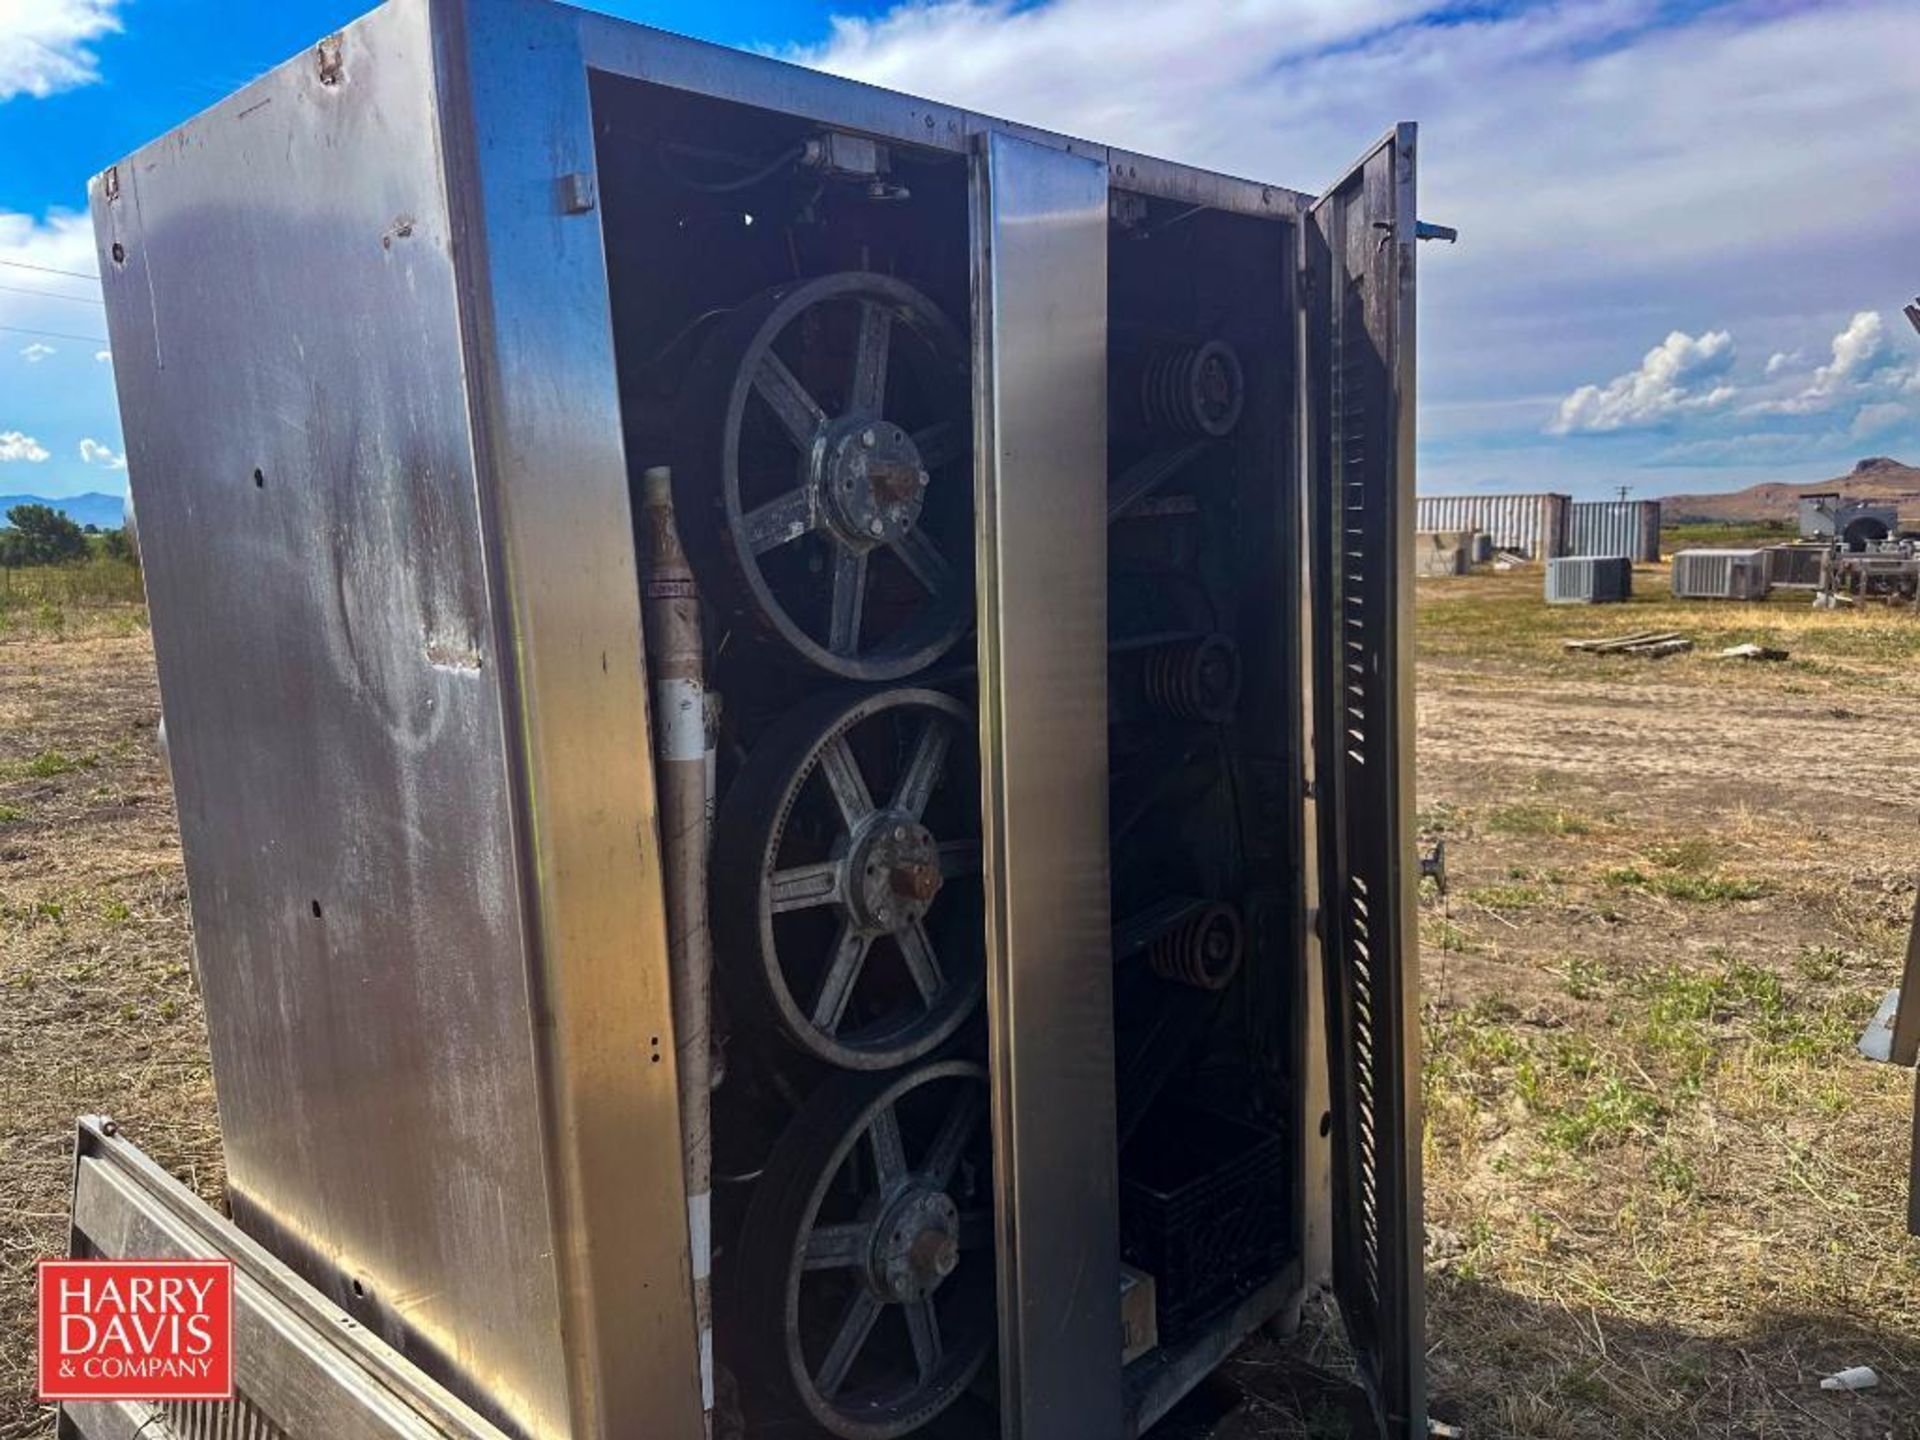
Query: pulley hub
x=916, y=1245
x=871, y=481
x=894, y=872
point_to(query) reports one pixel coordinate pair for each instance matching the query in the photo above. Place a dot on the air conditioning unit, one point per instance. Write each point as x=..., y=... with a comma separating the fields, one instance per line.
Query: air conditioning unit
x=1589, y=580
x=1721, y=575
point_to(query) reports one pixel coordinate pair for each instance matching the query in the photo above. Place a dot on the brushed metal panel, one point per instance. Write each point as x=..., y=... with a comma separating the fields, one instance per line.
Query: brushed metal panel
x=287, y=348
x=1040, y=335
x=375, y=447
x=553, y=485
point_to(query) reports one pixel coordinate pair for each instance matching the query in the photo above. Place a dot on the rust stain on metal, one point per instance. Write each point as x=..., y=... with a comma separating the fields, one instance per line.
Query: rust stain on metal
x=328, y=59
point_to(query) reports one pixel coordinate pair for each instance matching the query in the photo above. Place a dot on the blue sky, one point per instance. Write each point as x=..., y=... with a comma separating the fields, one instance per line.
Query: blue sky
x=1687, y=228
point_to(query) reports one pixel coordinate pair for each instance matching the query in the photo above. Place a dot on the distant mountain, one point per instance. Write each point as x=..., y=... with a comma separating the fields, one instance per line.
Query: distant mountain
x=92, y=508
x=1875, y=478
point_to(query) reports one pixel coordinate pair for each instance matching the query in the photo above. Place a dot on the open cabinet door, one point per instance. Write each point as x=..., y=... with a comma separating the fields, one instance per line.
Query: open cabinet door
x=1359, y=270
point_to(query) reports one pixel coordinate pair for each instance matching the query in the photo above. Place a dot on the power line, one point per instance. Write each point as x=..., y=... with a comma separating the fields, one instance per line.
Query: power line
x=56, y=335
x=50, y=270
x=51, y=295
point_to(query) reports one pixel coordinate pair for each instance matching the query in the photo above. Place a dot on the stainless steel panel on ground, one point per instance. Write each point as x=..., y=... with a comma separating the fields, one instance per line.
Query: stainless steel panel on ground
x=1040, y=256
x=1629, y=528
x=417, y=818
x=1532, y=525
x=301, y=1369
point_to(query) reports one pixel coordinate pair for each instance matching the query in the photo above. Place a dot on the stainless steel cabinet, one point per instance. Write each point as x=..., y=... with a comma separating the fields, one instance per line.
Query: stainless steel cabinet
x=1047, y=509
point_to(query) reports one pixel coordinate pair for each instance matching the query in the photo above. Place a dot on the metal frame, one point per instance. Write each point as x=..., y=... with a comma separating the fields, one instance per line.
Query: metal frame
x=522, y=872
x=619, y=47
x=302, y=1368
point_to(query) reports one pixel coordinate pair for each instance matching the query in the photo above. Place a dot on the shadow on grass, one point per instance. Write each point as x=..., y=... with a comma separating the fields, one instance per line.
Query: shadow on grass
x=1506, y=1367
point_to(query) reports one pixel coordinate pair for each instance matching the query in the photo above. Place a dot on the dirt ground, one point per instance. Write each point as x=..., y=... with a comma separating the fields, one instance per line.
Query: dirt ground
x=1664, y=1197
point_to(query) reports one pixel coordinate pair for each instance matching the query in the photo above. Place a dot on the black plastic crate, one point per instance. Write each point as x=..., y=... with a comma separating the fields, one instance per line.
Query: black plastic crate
x=1205, y=1208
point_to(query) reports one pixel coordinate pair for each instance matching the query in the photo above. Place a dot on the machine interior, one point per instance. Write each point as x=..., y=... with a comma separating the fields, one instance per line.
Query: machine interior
x=757, y=265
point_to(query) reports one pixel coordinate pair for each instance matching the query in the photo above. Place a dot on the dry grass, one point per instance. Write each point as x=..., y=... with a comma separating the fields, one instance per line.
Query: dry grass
x=97, y=1008
x=1664, y=1196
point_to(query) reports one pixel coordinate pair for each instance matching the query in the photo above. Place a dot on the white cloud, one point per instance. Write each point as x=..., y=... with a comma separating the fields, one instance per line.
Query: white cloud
x=1780, y=360
x=46, y=45
x=62, y=241
x=1865, y=365
x=15, y=446
x=92, y=452
x=36, y=352
x=1614, y=166
x=1592, y=121
x=103, y=356
x=1673, y=378
x=1858, y=349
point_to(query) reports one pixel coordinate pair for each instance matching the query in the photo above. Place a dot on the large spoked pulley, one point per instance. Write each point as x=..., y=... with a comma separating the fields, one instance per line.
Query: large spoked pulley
x=823, y=433
x=846, y=862
x=866, y=1283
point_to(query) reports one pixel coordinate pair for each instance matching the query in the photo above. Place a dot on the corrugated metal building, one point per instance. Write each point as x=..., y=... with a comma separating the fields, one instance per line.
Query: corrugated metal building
x=1629, y=528
x=1534, y=525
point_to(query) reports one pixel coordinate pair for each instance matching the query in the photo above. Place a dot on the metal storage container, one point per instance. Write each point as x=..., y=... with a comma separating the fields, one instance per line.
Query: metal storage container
x=954, y=420
x=1532, y=525
x=1589, y=580
x=1615, y=527
x=1720, y=575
